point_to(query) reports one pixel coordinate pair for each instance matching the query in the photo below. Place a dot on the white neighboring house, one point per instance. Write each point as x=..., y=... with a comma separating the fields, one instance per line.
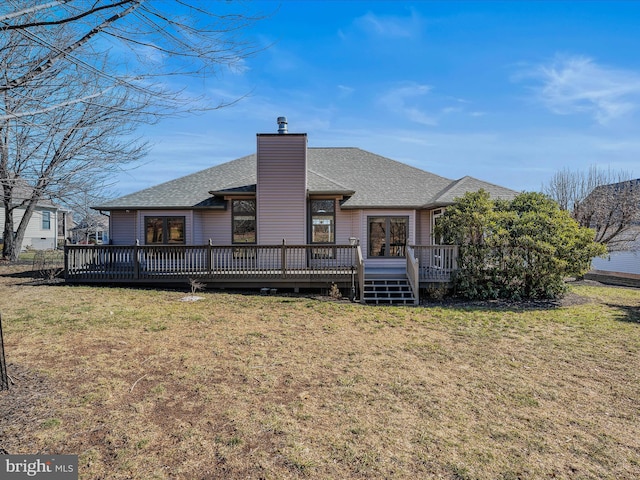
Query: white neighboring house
x=92, y=230
x=42, y=230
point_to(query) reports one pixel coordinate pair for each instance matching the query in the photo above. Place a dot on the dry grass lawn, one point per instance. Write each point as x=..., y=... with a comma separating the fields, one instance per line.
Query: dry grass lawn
x=142, y=385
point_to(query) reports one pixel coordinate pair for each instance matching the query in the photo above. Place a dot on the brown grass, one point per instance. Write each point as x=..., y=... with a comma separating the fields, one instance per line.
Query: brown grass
x=142, y=385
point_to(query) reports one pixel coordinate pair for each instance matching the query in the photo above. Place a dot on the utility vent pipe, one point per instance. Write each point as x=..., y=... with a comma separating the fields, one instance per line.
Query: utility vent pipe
x=282, y=125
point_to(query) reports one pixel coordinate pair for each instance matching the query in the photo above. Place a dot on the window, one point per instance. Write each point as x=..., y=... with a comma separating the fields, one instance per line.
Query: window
x=46, y=220
x=244, y=221
x=387, y=236
x=96, y=237
x=164, y=230
x=437, y=215
x=323, y=220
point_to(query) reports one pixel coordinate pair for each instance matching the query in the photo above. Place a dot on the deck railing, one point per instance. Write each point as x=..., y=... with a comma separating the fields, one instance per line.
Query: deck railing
x=236, y=262
x=436, y=262
x=360, y=266
x=413, y=272
x=247, y=263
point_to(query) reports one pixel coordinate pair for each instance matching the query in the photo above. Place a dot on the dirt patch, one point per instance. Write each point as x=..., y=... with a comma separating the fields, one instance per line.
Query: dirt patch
x=23, y=408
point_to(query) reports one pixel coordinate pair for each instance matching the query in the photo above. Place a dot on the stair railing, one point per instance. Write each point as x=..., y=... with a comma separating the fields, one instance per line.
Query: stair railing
x=360, y=264
x=413, y=273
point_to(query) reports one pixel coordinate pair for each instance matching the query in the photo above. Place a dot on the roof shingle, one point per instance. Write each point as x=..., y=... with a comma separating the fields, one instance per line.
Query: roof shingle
x=367, y=179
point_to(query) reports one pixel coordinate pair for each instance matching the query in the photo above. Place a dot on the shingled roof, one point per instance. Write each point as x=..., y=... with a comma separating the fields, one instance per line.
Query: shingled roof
x=365, y=179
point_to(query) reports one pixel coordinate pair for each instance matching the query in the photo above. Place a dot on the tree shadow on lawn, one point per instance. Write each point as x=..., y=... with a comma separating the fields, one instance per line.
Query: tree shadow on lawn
x=628, y=313
x=568, y=300
x=23, y=272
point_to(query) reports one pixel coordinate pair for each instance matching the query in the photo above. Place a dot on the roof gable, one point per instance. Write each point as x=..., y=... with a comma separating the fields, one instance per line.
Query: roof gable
x=469, y=184
x=22, y=191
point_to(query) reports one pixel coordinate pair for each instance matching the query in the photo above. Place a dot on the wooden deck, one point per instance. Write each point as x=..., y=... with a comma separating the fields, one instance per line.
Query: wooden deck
x=249, y=265
x=245, y=266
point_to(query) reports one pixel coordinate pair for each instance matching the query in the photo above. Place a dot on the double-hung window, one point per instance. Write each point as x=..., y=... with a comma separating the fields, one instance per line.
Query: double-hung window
x=323, y=221
x=46, y=220
x=164, y=230
x=323, y=227
x=387, y=236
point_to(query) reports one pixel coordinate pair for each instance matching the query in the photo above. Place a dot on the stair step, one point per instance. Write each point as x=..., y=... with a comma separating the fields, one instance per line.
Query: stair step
x=387, y=301
x=387, y=288
x=386, y=281
x=388, y=291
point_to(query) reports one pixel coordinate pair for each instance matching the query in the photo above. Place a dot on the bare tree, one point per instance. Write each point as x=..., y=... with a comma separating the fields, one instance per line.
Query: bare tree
x=56, y=153
x=150, y=41
x=77, y=77
x=88, y=222
x=606, y=201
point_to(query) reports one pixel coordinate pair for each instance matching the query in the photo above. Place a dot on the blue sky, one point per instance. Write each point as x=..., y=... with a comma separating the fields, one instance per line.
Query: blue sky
x=509, y=92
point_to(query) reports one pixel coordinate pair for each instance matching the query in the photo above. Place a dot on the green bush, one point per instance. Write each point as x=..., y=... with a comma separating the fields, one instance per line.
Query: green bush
x=519, y=249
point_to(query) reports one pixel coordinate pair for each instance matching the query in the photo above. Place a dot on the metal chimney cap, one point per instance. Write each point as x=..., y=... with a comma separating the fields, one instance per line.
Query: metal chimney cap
x=282, y=125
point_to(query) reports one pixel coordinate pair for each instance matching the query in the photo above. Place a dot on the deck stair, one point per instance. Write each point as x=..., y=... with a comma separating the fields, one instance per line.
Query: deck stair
x=388, y=291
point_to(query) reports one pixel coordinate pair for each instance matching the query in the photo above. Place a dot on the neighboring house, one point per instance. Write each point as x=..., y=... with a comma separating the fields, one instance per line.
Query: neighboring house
x=94, y=230
x=65, y=225
x=42, y=230
x=624, y=257
x=289, y=193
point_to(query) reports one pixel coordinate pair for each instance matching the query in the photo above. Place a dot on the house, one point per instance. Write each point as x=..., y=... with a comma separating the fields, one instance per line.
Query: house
x=345, y=210
x=94, y=229
x=43, y=229
x=613, y=211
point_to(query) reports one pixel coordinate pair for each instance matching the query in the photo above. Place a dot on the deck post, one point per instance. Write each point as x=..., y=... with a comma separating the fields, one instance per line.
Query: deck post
x=283, y=258
x=360, y=273
x=136, y=261
x=66, y=260
x=454, y=264
x=208, y=262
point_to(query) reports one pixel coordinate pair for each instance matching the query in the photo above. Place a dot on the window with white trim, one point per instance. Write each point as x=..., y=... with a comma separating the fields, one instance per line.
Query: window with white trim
x=46, y=220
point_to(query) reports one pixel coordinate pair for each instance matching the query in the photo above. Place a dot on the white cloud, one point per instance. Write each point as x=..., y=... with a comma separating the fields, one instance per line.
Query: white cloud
x=578, y=85
x=390, y=26
x=402, y=101
x=238, y=66
x=448, y=110
x=345, y=91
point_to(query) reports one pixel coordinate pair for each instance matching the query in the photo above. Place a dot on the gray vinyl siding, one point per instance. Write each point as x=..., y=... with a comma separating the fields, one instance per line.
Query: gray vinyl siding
x=423, y=227
x=198, y=237
x=346, y=225
x=282, y=189
x=214, y=225
x=122, y=227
